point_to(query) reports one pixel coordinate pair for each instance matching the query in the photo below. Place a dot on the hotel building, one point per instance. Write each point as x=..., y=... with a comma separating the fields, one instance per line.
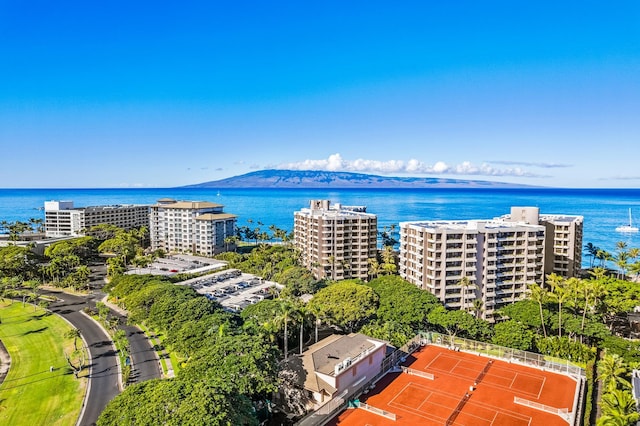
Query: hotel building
x=336, y=242
x=498, y=257
x=197, y=227
x=62, y=219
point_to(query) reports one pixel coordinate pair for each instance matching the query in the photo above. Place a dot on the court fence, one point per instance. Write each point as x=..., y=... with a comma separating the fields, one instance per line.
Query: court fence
x=500, y=352
x=379, y=411
x=562, y=412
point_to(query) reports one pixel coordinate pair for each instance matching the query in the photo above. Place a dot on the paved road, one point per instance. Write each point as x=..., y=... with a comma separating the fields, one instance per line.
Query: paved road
x=146, y=364
x=103, y=381
x=104, y=373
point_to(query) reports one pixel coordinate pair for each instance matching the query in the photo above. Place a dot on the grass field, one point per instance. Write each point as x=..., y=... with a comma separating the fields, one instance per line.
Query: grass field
x=31, y=394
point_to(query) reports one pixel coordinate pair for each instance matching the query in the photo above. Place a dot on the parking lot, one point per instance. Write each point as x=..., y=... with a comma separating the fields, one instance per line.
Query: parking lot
x=233, y=289
x=178, y=263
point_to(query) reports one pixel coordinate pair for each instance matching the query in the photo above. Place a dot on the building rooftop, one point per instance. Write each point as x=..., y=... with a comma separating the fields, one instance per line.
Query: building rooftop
x=216, y=216
x=561, y=217
x=467, y=225
x=337, y=349
x=186, y=204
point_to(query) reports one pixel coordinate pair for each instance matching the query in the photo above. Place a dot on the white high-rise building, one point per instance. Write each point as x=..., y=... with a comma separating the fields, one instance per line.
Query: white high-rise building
x=197, y=227
x=62, y=219
x=499, y=257
x=336, y=242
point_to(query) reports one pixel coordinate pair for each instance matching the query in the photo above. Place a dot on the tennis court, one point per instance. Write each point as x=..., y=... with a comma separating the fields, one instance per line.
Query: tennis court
x=445, y=387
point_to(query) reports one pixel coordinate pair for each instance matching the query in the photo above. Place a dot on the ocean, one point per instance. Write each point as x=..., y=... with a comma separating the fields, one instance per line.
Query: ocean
x=603, y=209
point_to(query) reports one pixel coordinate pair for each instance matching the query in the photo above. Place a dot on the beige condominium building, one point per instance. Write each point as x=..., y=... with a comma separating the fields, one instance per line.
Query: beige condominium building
x=563, y=239
x=62, y=219
x=335, y=241
x=197, y=227
x=499, y=257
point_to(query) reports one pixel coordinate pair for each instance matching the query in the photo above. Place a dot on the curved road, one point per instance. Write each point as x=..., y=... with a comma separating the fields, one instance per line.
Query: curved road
x=103, y=381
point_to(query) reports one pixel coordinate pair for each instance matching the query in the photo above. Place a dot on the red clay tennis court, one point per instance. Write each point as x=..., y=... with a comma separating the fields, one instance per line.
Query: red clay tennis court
x=466, y=389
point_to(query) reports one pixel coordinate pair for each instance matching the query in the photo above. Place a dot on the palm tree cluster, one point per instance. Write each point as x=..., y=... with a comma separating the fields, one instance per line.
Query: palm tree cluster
x=17, y=228
x=582, y=297
x=626, y=259
x=257, y=234
x=618, y=405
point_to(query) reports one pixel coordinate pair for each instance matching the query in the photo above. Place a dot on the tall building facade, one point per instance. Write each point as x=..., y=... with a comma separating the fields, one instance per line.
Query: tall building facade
x=62, y=219
x=197, y=227
x=336, y=242
x=563, y=239
x=492, y=261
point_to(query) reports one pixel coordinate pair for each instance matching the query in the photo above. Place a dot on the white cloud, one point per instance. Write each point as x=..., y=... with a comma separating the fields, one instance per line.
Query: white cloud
x=335, y=163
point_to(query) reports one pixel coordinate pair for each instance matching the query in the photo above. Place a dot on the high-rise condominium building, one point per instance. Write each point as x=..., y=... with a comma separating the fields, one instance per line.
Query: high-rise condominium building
x=563, y=239
x=197, y=227
x=62, y=219
x=492, y=261
x=336, y=241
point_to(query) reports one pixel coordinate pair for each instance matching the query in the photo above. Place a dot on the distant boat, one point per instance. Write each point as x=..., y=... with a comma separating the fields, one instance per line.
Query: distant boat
x=218, y=193
x=629, y=227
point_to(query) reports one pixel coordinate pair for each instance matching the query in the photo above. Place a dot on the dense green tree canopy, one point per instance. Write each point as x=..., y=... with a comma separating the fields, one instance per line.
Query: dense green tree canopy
x=238, y=363
x=177, y=402
x=456, y=321
x=18, y=261
x=513, y=334
x=345, y=304
x=393, y=332
x=402, y=302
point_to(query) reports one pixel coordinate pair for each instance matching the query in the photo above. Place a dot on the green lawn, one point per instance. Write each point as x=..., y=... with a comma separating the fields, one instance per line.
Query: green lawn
x=31, y=394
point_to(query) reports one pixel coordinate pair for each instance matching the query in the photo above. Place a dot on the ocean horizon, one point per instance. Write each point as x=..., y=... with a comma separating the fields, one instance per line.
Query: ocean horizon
x=603, y=209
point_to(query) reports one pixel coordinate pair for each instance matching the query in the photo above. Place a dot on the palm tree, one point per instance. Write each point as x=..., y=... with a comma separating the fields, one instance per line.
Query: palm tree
x=574, y=287
x=604, y=256
x=303, y=317
x=374, y=267
x=286, y=311
x=332, y=261
x=389, y=260
x=592, y=250
x=618, y=408
x=588, y=290
x=315, y=311
x=478, y=307
x=464, y=284
x=622, y=262
x=560, y=292
x=539, y=294
x=634, y=268
x=612, y=371
x=36, y=224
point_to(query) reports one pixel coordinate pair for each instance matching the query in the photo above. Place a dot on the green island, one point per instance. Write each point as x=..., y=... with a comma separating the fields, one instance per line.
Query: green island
x=32, y=394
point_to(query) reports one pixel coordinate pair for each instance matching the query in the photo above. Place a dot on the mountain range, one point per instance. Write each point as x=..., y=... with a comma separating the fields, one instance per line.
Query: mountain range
x=324, y=179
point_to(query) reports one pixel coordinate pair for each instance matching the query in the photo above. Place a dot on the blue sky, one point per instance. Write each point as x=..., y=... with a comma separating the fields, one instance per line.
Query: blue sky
x=147, y=94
